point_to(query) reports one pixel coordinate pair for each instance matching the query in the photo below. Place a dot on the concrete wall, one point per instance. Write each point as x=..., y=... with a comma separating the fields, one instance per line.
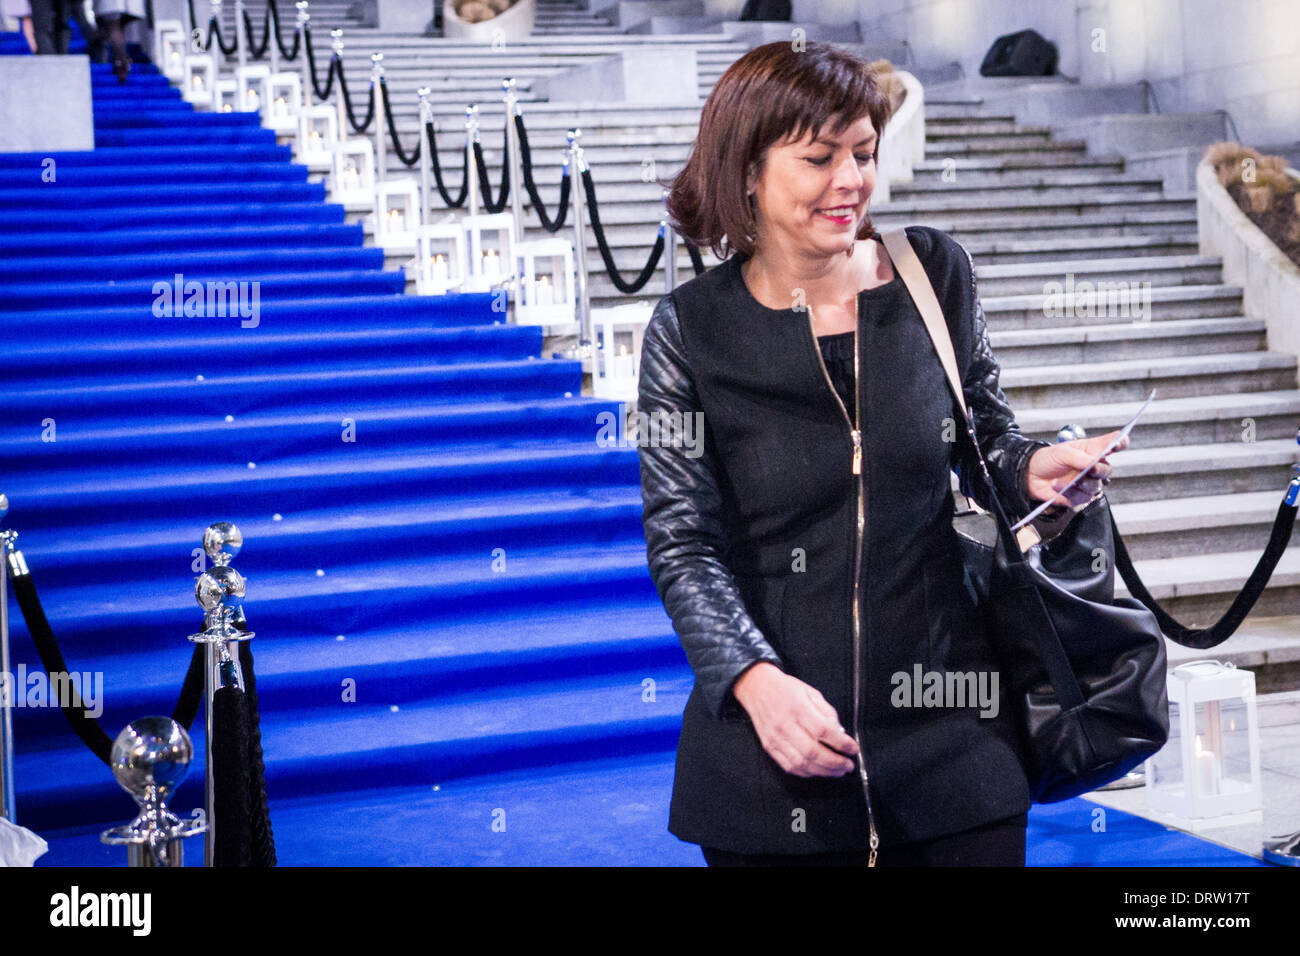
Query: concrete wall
x=1242, y=56
x=45, y=104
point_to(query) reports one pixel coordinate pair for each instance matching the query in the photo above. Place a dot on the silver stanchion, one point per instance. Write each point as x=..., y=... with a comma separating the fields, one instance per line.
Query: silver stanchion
x=336, y=49
x=377, y=90
x=151, y=756
x=215, y=14
x=471, y=168
x=241, y=36
x=8, y=685
x=272, y=24
x=304, y=63
x=223, y=626
x=1284, y=851
x=585, y=348
x=511, y=163
x=426, y=155
x=670, y=252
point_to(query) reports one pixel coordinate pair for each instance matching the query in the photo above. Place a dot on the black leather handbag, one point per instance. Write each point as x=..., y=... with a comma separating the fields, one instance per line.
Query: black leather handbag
x=1085, y=670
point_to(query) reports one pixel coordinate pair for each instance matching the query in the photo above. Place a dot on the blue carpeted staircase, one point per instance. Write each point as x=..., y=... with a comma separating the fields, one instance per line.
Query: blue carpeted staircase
x=473, y=561
x=470, y=567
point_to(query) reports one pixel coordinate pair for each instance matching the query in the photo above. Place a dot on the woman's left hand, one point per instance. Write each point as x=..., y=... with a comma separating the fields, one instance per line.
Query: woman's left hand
x=1054, y=467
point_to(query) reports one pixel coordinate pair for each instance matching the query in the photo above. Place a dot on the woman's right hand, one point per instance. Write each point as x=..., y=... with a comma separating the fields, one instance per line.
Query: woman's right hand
x=795, y=724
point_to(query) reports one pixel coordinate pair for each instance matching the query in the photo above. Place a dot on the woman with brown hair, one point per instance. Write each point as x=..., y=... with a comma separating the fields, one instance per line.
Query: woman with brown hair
x=805, y=549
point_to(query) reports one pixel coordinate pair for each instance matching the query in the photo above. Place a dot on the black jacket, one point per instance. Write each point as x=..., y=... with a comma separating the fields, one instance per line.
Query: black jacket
x=751, y=533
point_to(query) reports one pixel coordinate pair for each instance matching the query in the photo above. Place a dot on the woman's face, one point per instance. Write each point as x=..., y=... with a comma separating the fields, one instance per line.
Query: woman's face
x=812, y=195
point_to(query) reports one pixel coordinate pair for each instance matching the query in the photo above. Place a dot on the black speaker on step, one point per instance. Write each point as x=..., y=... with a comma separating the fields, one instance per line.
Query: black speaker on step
x=1020, y=54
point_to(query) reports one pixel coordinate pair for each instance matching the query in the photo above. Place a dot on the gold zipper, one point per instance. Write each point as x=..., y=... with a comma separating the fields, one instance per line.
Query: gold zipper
x=856, y=435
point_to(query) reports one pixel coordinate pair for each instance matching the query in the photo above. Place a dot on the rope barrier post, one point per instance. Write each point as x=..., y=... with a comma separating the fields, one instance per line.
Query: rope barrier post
x=426, y=154
x=150, y=758
x=336, y=43
x=214, y=20
x=471, y=170
x=670, y=251
x=7, y=683
x=582, y=300
x=272, y=23
x=300, y=28
x=241, y=35
x=377, y=91
x=511, y=162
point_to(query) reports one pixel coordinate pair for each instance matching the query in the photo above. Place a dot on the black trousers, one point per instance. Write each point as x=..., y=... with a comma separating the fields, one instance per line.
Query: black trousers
x=1000, y=843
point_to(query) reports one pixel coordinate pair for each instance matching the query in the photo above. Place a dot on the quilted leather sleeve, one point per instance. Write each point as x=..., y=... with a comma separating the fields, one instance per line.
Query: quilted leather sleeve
x=1006, y=449
x=685, y=538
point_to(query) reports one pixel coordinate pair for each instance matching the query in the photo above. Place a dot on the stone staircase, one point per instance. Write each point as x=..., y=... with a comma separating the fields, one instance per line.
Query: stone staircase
x=1196, y=492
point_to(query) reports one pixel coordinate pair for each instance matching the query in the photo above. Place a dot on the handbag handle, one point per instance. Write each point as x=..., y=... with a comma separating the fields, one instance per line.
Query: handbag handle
x=918, y=285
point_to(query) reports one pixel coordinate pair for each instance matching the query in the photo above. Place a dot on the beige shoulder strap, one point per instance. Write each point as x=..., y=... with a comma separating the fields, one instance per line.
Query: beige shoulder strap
x=918, y=285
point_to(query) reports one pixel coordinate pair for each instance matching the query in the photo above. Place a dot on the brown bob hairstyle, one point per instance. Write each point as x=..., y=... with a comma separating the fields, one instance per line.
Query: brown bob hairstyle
x=772, y=92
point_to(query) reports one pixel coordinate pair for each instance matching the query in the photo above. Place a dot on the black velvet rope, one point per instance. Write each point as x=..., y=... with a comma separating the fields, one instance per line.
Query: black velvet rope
x=407, y=159
x=230, y=779
x=697, y=260
x=47, y=648
x=263, y=848
x=347, y=101
x=255, y=51
x=274, y=12
x=485, y=187
x=637, y=284
x=214, y=30
x=1223, y=628
x=452, y=202
x=322, y=93
x=526, y=161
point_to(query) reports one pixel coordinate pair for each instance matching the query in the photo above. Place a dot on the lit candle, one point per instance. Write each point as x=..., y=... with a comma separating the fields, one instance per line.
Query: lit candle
x=441, y=277
x=351, y=177
x=314, y=136
x=253, y=101
x=196, y=82
x=175, y=55
x=279, y=107
x=227, y=108
x=623, y=363
x=491, y=264
x=396, y=221
x=545, y=293
x=1208, y=772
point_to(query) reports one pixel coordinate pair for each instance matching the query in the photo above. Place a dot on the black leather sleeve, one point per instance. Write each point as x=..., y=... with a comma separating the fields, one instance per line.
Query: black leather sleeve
x=1006, y=449
x=685, y=537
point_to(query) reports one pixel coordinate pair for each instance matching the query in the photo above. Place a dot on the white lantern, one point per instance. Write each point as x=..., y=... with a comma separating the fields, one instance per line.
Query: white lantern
x=546, y=284
x=616, y=361
x=440, y=258
x=352, y=174
x=397, y=214
x=1207, y=775
x=198, y=79
x=318, y=133
x=225, y=96
x=284, y=91
x=171, y=46
x=489, y=241
x=253, y=86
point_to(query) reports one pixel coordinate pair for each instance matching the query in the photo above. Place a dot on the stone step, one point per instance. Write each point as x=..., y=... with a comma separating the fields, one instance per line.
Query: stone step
x=1106, y=343
x=1198, y=524
x=1045, y=310
x=992, y=168
x=1196, y=589
x=1147, y=474
x=1179, y=376
x=996, y=207
x=1192, y=420
x=1029, y=278
x=937, y=137
x=986, y=251
x=1049, y=187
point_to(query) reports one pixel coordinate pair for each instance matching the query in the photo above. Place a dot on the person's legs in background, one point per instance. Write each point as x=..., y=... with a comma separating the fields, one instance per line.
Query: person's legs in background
x=43, y=26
